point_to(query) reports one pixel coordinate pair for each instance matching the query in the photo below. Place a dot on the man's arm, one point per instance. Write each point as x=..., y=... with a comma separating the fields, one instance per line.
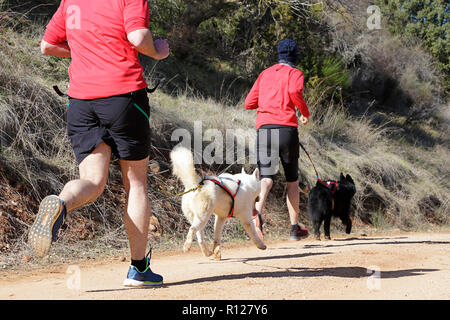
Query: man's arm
x=54, y=41
x=142, y=40
x=251, y=101
x=57, y=50
x=296, y=94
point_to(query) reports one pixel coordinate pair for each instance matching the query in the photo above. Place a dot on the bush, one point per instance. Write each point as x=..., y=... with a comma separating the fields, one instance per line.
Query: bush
x=424, y=20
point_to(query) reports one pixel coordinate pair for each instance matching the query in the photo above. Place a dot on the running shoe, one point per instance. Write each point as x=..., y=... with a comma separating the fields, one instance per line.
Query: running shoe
x=261, y=222
x=298, y=234
x=50, y=217
x=136, y=278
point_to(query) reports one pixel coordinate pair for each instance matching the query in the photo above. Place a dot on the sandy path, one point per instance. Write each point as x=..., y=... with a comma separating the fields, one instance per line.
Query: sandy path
x=409, y=266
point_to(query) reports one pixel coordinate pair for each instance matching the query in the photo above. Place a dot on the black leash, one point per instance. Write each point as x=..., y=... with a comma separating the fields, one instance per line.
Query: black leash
x=59, y=93
x=156, y=86
x=317, y=175
x=330, y=184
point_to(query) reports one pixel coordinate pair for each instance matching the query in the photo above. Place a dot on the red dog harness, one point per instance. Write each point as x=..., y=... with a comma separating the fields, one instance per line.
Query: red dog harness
x=330, y=184
x=218, y=181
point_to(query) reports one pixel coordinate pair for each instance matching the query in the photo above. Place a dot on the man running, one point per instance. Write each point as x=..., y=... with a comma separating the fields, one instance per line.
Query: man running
x=108, y=113
x=276, y=93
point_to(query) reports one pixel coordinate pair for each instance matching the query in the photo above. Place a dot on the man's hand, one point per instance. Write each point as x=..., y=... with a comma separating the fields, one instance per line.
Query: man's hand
x=162, y=47
x=304, y=120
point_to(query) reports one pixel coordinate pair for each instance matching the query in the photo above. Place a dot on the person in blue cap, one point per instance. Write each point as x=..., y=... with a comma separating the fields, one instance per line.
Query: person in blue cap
x=276, y=94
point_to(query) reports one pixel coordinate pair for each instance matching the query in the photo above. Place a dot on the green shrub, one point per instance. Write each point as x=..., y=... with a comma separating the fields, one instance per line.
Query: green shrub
x=425, y=20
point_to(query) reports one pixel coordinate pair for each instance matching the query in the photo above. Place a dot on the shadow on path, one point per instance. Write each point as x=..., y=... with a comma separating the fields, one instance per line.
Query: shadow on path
x=331, y=245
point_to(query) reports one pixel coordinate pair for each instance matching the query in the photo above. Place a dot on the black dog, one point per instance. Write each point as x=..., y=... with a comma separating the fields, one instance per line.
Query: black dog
x=331, y=198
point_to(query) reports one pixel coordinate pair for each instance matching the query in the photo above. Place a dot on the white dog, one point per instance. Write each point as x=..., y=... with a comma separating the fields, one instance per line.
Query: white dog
x=211, y=198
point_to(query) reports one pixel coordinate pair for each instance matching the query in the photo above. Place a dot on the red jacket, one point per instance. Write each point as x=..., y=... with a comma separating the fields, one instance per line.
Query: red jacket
x=276, y=93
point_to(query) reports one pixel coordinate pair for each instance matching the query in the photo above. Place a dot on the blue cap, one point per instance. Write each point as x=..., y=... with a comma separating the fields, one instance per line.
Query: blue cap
x=288, y=51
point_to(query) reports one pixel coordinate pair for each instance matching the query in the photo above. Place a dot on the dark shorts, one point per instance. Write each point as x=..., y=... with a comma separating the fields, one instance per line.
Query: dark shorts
x=274, y=143
x=121, y=121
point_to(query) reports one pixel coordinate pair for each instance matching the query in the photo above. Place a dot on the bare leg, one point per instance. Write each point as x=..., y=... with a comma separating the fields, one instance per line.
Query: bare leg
x=93, y=176
x=137, y=210
x=292, y=200
x=251, y=231
x=266, y=186
x=76, y=193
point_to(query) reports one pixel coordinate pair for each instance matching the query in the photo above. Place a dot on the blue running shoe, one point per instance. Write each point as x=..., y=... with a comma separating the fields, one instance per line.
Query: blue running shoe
x=136, y=278
x=50, y=217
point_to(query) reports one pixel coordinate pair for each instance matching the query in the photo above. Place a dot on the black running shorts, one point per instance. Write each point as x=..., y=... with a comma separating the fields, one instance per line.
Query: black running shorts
x=274, y=143
x=121, y=121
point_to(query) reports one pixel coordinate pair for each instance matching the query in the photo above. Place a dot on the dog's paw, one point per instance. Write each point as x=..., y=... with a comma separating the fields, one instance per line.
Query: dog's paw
x=187, y=246
x=328, y=237
x=317, y=238
x=207, y=253
x=217, y=253
x=205, y=249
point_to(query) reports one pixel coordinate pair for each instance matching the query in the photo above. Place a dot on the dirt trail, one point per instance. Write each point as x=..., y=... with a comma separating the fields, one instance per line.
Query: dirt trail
x=407, y=266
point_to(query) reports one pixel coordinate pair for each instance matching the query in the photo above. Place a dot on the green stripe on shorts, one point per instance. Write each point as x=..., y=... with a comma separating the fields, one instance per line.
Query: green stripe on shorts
x=143, y=112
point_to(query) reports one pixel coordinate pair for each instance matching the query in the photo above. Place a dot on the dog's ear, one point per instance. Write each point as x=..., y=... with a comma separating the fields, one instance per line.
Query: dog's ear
x=243, y=170
x=341, y=178
x=256, y=173
x=349, y=179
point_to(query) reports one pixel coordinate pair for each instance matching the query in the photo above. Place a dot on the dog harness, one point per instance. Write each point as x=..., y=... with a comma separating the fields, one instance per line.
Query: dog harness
x=332, y=186
x=218, y=181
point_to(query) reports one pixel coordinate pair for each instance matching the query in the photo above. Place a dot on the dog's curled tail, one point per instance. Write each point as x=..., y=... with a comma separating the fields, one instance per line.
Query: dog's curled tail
x=183, y=167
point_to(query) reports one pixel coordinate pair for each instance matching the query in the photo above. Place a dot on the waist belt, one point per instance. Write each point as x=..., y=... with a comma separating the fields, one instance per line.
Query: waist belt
x=59, y=92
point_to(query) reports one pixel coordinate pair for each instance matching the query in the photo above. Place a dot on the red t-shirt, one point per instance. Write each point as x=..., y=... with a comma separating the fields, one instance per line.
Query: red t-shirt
x=104, y=63
x=276, y=93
